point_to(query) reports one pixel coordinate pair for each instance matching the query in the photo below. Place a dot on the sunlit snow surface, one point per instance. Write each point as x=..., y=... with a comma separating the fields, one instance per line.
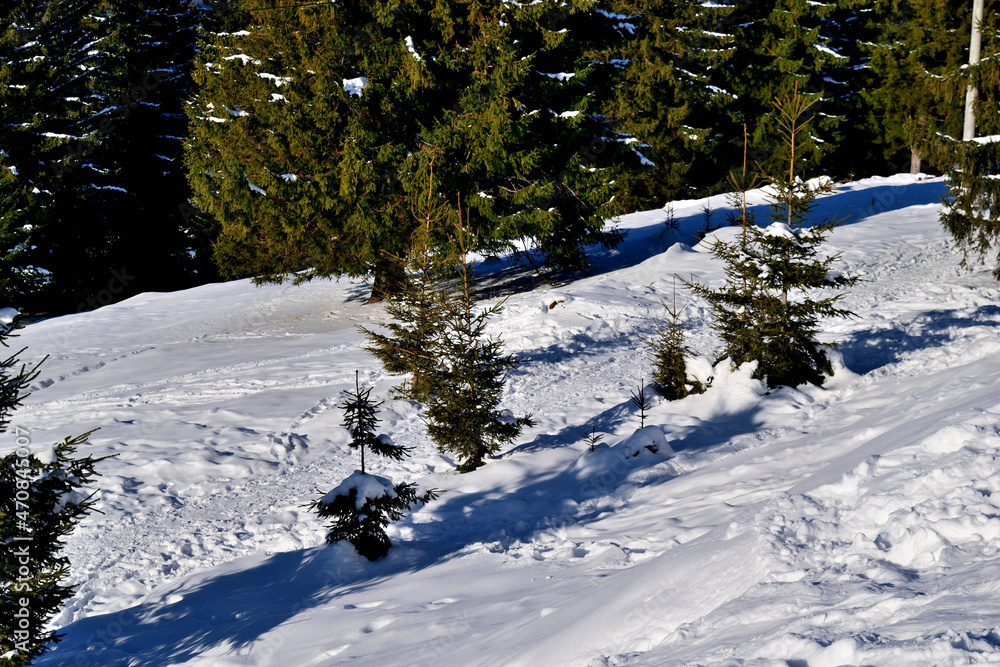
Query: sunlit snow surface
x=853, y=524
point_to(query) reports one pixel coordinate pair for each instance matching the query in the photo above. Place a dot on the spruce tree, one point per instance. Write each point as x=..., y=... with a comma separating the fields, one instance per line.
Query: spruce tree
x=300, y=126
x=92, y=110
x=669, y=352
x=917, y=92
x=41, y=500
x=848, y=29
x=665, y=101
x=362, y=505
x=463, y=413
x=970, y=214
x=38, y=105
x=407, y=347
x=776, y=46
x=766, y=311
x=306, y=126
x=973, y=201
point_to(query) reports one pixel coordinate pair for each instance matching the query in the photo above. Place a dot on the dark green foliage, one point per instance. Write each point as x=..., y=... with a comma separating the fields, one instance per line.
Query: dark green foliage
x=91, y=126
x=40, y=504
x=974, y=200
x=308, y=178
x=664, y=99
x=463, y=415
x=777, y=46
x=14, y=381
x=669, y=351
x=361, y=420
x=525, y=144
x=300, y=173
x=766, y=311
x=917, y=93
x=407, y=347
x=55, y=504
x=363, y=523
x=363, y=505
x=786, y=314
x=34, y=60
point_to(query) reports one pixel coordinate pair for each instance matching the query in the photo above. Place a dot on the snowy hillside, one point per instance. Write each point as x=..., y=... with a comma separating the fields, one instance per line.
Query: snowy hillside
x=858, y=523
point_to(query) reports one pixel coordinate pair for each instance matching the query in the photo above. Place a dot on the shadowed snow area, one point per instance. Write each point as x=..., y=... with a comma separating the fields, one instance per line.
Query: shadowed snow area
x=853, y=524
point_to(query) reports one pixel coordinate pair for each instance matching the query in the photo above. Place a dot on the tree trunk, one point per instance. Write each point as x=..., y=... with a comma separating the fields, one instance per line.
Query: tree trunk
x=390, y=276
x=969, y=129
x=914, y=161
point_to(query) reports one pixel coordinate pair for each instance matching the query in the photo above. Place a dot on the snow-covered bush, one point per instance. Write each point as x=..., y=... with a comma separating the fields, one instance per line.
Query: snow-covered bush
x=363, y=505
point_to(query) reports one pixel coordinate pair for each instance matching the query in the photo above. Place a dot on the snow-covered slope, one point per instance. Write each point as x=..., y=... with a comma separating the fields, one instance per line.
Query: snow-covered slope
x=858, y=523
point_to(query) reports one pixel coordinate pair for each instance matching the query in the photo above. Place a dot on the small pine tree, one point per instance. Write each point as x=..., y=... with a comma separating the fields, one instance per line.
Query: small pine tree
x=593, y=438
x=766, y=311
x=361, y=508
x=363, y=505
x=40, y=504
x=641, y=401
x=709, y=226
x=463, y=415
x=669, y=367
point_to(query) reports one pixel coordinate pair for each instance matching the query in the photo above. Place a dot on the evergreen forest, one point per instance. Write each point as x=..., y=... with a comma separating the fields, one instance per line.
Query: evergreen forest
x=153, y=146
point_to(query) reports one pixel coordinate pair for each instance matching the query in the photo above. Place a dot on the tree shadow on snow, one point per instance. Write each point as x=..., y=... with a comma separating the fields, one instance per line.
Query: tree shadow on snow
x=850, y=205
x=553, y=498
x=241, y=606
x=230, y=611
x=869, y=350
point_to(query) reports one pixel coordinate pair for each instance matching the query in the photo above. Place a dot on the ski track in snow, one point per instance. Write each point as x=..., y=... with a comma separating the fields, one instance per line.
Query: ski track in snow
x=850, y=524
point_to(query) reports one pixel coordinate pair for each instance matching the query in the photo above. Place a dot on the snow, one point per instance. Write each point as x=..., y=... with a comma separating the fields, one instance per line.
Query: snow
x=781, y=230
x=643, y=160
x=993, y=138
x=279, y=81
x=367, y=487
x=854, y=523
x=256, y=188
x=7, y=315
x=355, y=86
x=412, y=49
x=559, y=76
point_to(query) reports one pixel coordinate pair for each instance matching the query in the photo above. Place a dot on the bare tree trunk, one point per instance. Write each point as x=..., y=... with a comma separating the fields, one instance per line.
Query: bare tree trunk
x=969, y=130
x=914, y=161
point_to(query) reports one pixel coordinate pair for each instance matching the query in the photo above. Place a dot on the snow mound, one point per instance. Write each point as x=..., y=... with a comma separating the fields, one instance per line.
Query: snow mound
x=7, y=315
x=649, y=438
x=368, y=487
